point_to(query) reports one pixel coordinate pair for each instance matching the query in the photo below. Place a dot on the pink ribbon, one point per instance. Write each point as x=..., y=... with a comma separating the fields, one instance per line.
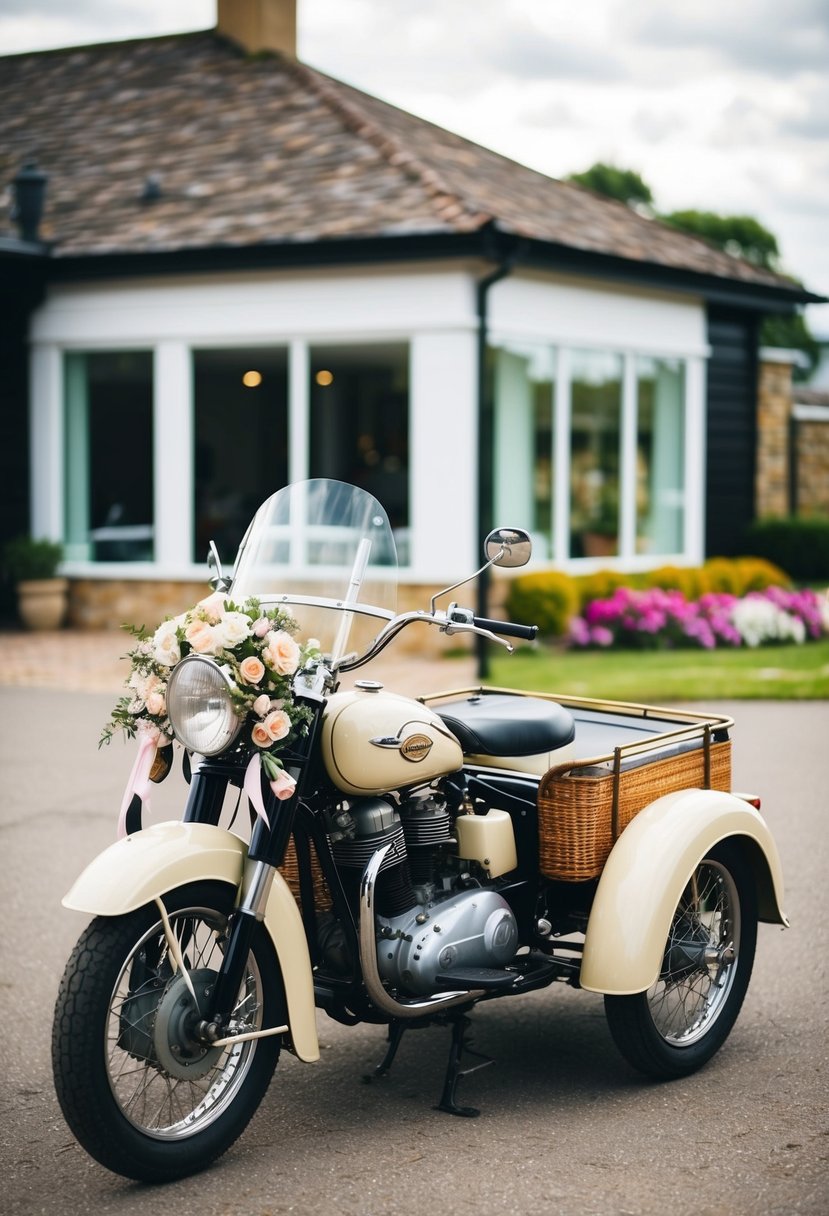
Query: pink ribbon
x=139, y=778
x=283, y=786
x=253, y=787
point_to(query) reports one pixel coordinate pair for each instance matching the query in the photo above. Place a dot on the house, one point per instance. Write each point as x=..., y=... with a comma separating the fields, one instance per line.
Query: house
x=247, y=273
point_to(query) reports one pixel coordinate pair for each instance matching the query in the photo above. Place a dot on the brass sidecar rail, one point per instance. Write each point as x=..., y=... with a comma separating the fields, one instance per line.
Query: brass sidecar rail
x=585, y=803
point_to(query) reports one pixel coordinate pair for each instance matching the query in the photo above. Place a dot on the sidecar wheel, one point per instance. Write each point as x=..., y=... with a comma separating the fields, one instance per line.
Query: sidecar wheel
x=685, y=1017
x=143, y=1096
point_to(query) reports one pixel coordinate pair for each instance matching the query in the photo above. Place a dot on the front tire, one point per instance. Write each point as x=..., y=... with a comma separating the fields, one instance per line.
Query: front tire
x=142, y=1095
x=685, y=1017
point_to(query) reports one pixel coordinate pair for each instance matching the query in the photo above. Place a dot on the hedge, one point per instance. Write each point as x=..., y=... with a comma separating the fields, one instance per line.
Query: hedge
x=800, y=545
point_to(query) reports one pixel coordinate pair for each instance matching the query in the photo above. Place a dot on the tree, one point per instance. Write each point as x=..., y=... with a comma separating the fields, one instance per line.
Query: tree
x=625, y=185
x=740, y=235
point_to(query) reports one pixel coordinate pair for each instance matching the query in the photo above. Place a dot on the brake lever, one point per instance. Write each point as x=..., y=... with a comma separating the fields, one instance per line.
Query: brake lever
x=453, y=627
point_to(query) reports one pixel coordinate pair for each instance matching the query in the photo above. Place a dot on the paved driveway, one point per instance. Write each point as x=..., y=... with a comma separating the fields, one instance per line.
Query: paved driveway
x=566, y=1126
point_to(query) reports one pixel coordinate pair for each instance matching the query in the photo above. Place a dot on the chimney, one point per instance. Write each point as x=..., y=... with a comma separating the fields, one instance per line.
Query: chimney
x=259, y=25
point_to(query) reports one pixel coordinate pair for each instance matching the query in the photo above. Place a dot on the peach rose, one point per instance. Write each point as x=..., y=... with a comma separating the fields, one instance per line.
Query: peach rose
x=260, y=735
x=277, y=724
x=156, y=705
x=201, y=637
x=281, y=653
x=212, y=606
x=251, y=670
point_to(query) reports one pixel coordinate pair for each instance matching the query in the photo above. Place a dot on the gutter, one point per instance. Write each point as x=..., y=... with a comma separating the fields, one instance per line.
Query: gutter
x=486, y=432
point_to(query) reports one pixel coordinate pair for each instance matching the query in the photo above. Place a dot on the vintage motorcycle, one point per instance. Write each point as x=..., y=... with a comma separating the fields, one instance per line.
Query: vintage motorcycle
x=404, y=860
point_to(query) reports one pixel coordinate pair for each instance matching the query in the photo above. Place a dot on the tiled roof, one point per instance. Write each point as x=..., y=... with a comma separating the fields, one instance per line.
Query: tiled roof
x=249, y=150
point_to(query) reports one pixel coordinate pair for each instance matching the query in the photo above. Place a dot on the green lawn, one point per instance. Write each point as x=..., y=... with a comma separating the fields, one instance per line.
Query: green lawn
x=770, y=672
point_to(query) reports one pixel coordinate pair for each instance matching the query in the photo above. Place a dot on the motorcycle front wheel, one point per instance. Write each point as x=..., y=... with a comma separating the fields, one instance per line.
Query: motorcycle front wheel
x=141, y=1093
x=678, y=1024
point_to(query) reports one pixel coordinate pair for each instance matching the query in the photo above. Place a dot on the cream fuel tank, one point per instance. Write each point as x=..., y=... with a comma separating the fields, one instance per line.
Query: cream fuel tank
x=374, y=741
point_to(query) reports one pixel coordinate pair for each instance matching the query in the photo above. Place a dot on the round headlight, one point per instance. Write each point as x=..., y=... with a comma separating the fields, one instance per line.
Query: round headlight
x=200, y=706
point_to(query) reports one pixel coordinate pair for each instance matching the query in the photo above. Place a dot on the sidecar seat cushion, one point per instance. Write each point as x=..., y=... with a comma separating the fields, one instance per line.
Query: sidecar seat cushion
x=500, y=725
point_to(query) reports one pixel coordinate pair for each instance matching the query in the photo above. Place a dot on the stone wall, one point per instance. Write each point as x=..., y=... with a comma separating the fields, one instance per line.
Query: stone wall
x=812, y=439
x=792, y=475
x=109, y=603
x=774, y=407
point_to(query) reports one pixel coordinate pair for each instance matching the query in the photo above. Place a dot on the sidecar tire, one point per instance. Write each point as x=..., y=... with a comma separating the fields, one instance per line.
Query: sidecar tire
x=95, y=1023
x=675, y=1027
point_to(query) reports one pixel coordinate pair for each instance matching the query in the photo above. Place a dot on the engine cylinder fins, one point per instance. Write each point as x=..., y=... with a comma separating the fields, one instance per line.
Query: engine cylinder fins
x=426, y=822
x=357, y=853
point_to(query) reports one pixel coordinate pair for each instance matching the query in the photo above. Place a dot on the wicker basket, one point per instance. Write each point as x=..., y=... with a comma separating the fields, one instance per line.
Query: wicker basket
x=290, y=872
x=581, y=814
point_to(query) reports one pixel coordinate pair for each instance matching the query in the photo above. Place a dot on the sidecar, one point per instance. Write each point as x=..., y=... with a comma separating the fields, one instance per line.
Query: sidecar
x=643, y=846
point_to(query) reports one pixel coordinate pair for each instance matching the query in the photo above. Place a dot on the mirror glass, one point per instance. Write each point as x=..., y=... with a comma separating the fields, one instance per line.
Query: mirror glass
x=508, y=547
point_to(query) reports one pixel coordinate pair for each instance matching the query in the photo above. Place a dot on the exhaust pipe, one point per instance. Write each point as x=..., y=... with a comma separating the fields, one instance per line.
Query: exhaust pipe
x=380, y=998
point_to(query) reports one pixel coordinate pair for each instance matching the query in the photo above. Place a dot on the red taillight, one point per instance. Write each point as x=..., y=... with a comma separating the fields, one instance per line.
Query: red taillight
x=754, y=799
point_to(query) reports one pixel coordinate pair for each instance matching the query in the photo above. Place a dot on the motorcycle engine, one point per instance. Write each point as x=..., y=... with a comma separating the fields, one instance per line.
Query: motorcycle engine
x=427, y=922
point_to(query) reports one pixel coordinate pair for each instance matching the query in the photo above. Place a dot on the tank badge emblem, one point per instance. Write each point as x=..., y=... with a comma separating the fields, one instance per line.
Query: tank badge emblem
x=416, y=748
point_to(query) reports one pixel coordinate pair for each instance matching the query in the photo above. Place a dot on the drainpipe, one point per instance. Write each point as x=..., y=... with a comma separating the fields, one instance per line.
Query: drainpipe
x=486, y=432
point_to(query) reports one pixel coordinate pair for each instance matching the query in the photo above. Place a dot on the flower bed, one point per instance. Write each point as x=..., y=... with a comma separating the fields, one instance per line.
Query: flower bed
x=660, y=619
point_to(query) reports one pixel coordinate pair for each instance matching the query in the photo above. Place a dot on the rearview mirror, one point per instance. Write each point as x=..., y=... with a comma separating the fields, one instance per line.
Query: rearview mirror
x=508, y=547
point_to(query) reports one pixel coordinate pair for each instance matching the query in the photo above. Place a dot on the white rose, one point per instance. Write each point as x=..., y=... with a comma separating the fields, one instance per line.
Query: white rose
x=166, y=649
x=232, y=629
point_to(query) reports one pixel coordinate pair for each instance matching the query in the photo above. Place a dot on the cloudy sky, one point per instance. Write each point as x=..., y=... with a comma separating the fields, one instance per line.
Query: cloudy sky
x=721, y=105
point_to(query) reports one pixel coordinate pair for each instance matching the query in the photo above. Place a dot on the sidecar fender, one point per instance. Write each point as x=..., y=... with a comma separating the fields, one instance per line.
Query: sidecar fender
x=647, y=871
x=151, y=863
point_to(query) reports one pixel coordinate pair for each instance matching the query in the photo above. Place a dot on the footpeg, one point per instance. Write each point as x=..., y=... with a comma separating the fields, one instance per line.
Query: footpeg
x=490, y=979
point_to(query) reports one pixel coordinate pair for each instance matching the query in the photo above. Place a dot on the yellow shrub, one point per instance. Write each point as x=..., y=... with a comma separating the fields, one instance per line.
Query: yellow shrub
x=755, y=574
x=600, y=585
x=547, y=598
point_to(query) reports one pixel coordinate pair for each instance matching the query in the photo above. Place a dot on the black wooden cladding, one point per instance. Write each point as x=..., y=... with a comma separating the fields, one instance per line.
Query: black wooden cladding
x=731, y=429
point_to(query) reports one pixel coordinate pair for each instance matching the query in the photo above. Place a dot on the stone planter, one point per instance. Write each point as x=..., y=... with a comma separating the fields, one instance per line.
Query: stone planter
x=42, y=602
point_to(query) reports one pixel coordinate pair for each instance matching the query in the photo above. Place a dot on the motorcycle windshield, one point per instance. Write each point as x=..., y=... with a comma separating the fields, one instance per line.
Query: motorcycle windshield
x=326, y=551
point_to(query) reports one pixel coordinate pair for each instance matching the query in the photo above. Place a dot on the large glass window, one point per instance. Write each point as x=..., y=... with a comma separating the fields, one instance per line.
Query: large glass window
x=596, y=420
x=524, y=388
x=660, y=451
x=240, y=403
x=616, y=487
x=359, y=423
x=109, y=456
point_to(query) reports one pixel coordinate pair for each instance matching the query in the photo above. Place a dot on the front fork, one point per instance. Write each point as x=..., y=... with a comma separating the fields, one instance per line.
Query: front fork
x=268, y=842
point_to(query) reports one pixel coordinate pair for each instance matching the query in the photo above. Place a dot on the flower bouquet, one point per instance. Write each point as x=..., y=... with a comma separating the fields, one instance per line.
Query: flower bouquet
x=256, y=650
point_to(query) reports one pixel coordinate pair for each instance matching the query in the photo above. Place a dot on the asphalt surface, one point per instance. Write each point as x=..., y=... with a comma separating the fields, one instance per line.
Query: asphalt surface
x=566, y=1126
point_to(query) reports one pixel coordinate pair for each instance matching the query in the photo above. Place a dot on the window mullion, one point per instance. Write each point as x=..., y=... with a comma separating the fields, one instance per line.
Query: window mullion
x=562, y=445
x=628, y=461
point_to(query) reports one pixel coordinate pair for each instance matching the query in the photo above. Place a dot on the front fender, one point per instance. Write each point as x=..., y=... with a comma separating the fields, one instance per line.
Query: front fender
x=149, y=864
x=646, y=873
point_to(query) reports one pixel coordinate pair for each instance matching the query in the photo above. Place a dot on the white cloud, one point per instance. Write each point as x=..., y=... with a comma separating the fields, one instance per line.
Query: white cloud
x=720, y=106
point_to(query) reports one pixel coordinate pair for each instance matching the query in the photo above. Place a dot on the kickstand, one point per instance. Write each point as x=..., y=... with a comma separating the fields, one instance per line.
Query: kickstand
x=396, y=1030
x=460, y=1044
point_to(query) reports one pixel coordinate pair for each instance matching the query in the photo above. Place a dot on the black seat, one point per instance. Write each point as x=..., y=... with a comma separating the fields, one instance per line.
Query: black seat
x=501, y=725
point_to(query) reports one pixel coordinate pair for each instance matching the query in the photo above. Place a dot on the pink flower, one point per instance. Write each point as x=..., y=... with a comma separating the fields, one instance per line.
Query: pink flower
x=251, y=670
x=260, y=735
x=283, y=785
x=156, y=705
x=281, y=653
x=201, y=637
x=211, y=606
x=277, y=724
x=261, y=628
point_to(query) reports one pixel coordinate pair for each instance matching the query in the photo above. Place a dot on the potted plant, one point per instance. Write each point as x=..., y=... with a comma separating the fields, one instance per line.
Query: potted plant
x=32, y=565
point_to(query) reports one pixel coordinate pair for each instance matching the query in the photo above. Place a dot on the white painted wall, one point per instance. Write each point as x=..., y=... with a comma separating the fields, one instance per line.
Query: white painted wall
x=431, y=307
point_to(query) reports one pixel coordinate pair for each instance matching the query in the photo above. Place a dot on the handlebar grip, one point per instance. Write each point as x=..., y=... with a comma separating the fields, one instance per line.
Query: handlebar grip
x=527, y=633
